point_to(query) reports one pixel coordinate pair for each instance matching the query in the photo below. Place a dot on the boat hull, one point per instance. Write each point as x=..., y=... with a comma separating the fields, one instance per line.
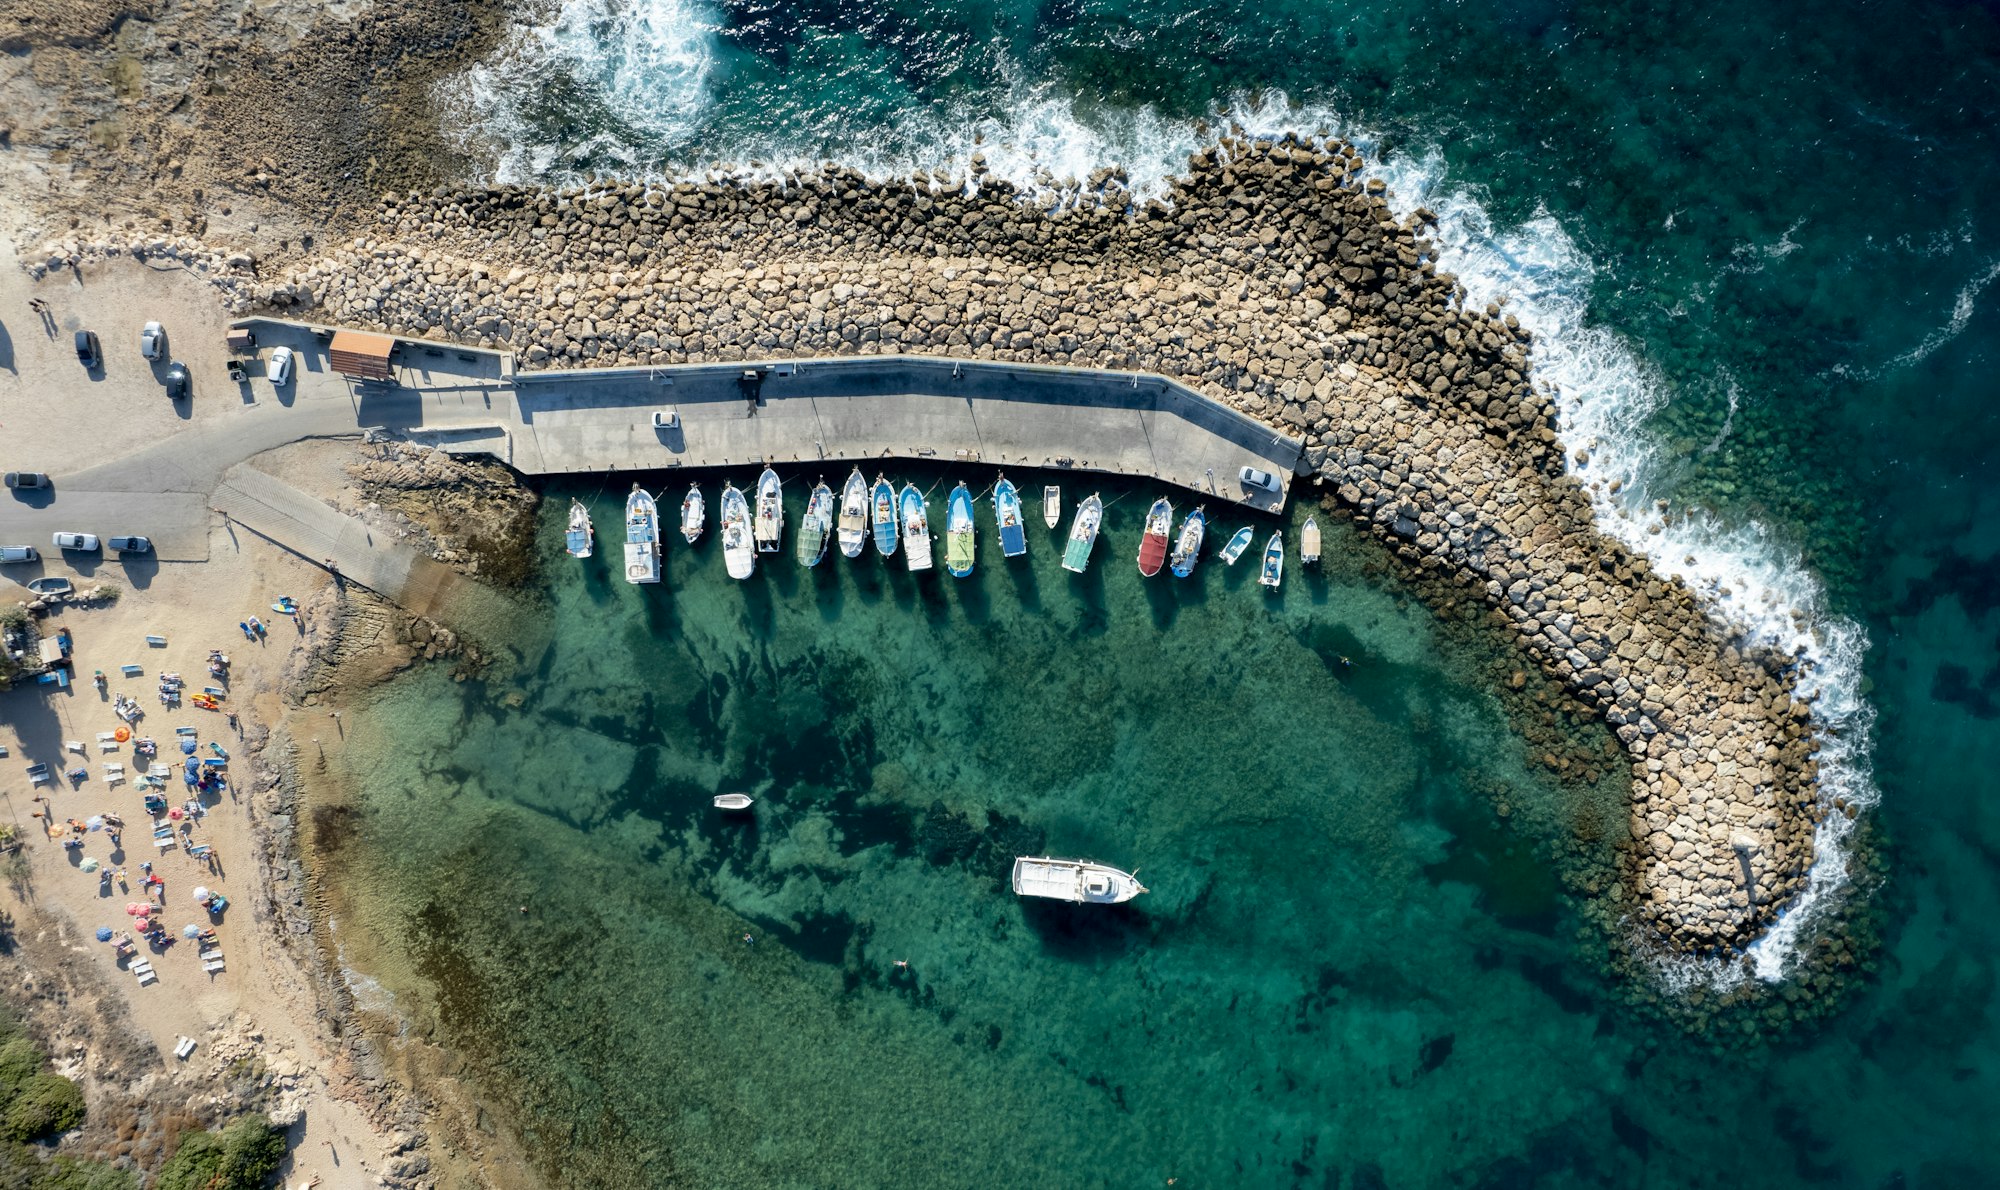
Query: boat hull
x=1007, y=520
x=769, y=526
x=1238, y=542
x=642, y=538
x=816, y=526
x=1083, y=535
x=1187, y=549
x=916, y=529
x=882, y=514
x=739, y=552
x=959, y=543
x=1274, y=562
x=578, y=539
x=854, y=515
x=694, y=514
x=1079, y=882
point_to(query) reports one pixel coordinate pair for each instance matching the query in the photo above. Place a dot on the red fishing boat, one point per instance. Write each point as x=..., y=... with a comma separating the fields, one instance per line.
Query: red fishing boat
x=1153, y=546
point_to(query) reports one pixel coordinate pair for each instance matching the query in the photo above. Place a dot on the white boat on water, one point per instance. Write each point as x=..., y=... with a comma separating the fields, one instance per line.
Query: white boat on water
x=1083, y=534
x=770, y=524
x=579, y=537
x=739, y=552
x=642, y=537
x=733, y=801
x=1051, y=506
x=694, y=513
x=916, y=529
x=1309, y=541
x=1075, y=880
x=854, y=515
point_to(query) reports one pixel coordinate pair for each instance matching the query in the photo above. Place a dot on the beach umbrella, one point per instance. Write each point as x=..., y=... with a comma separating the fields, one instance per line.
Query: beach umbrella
x=135, y=909
x=201, y=895
x=90, y=865
x=187, y=746
x=96, y=822
x=104, y=933
x=190, y=930
x=175, y=813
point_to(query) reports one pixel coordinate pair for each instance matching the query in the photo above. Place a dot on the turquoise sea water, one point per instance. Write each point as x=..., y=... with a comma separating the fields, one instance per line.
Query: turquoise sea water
x=1759, y=246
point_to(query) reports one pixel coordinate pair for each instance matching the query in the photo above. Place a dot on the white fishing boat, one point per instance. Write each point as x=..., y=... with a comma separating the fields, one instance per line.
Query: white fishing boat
x=734, y=801
x=642, y=537
x=1083, y=534
x=1309, y=541
x=916, y=519
x=1237, y=544
x=1274, y=562
x=694, y=513
x=577, y=540
x=816, y=526
x=1052, y=506
x=770, y=523
x=1075, y=880
x=854, y=515
x=739, y=552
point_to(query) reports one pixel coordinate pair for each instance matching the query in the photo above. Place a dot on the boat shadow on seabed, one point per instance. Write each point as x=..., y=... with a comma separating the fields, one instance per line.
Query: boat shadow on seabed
x=1069, y=931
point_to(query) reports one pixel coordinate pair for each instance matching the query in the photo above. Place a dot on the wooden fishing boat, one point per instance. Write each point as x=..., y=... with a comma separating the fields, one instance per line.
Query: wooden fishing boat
x=1083, y=534
x=1309, y=541
x=1274, y=561
x=1075, y=880
x=770, y=523
x=1052, y=506
x=578, y=538
x=854, y=515
x=1237, y=544
x=916, y=529
x=739, y=551
x=694, y=513
x=816, y=527
x=642, y=537
x=882, y=515
x=1007, y=518
x=1153, y=543
x=734, y=801
x=1187, y=548
x=958, y=533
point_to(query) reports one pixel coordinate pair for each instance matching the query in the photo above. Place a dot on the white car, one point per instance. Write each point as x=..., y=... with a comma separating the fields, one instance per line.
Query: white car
x=1253, y=478
x=87, y=542
x=281, y=367
x=153, y=341
x=662, y=420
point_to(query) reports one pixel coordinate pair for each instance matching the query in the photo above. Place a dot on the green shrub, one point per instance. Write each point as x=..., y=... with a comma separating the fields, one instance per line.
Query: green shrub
x=20, y=1060
x=46, y=1105
x=242, y=1156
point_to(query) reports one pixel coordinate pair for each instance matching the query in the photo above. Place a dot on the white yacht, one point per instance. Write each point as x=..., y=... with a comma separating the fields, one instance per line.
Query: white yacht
x=1074, y=880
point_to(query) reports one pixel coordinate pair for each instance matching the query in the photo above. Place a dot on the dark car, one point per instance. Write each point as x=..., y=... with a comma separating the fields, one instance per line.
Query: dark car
x=27, y=479
x=177, y=380
x=88, y=353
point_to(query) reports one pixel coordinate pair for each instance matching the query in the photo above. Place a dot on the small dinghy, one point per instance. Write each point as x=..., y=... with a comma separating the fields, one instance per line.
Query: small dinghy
x=739, y=553
x=1078, y=881
x=916, y=529
x=1153, y=544
x=694, y=513
x=958, y=533
x=854, y=515
x=1274, y=562
x=770, y=523
x=642, y=537
x=816, y=527
x=577, y=539
x=882, y=515
x=733, y=801
x=1083, y=534
x=1187, y=548
x=1052, y=506
x=1309, y=542
x=1007, y=519
x=1237, y=544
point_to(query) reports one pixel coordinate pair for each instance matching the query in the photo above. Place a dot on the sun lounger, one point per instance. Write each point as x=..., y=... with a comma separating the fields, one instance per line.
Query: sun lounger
x=158, y=642
x=211, y=956
x=112, y=766
x=75, y=746
x=130, y=670
x=187, y=731
x=103, y=736
x=200, y=850
x=148, y=978
x=183, y=1046
x=3, y=750
x=166, y=844
x=212, y=968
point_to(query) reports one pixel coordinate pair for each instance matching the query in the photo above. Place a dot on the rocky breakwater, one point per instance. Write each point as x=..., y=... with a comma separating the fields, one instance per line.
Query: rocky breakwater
x=1274, y=277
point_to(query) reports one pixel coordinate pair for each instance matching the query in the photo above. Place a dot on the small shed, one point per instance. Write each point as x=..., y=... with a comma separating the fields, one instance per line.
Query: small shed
x=240, y=340
x=362, y=356
x=50, y=652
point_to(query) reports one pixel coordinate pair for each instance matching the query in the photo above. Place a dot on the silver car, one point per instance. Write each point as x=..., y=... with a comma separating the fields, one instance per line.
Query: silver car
x=87, y=542
x=130, y=545
x=153, y=341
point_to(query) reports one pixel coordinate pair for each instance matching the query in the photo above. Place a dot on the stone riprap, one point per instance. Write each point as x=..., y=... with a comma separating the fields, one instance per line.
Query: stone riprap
x=1275, y=278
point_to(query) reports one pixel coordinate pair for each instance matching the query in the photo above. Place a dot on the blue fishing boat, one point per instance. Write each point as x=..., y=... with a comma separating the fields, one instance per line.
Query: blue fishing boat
x=1007, y=518
x=577, y=540
x=1237, y=544
x=1187, y=547
x=958, y=533
x=1274, y=561
x=882, y=515
x=916, y=529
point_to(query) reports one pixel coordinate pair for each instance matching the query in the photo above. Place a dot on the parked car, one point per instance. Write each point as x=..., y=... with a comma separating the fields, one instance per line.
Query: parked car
x=153, y=341
x=87, y=542
x=177, y=380
x=281, y=367
x=50, y=584
x=88, y=353
x=663, y=420
x=19, y=553
x=27, y=479
x=1253, y=478
x=130, y=545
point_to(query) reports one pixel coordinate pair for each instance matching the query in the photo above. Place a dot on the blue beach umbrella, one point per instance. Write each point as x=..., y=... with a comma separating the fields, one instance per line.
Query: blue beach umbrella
x=187, y=745
x=104, y=933
x=96, y=822
x=190, y=930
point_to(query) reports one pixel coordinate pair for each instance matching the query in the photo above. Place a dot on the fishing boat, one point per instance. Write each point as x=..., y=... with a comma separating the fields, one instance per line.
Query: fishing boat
x=1007, y=518
x=1075, y=880
x=1083, y=534
x=1309, y=541
x=816, y=527
x=854, y=515
x=1274, y=561
x=577, y=540
x=1187, y=548
x=916, y=529
x=642, y=537
x=958, y=533
x=882, y=513
x=694, y=513
x=1052, y=506
x=733, y=801
x=739, y=552
x=770, y=523
x=1153, y=545
x=1237, y=544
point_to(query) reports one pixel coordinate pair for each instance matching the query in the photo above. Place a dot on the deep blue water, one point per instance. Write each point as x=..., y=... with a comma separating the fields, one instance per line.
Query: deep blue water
x=1761, y=245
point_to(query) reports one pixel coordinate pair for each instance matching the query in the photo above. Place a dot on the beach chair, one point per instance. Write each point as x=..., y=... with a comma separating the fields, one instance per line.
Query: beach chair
x=183, y=1046
x=164, y=840
x=130, y=670
x=211, y=955
x=214, y=968
x=75, y=746
x=187, y=731
x=39, y=774
x=157, y=642
x=143, y=970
